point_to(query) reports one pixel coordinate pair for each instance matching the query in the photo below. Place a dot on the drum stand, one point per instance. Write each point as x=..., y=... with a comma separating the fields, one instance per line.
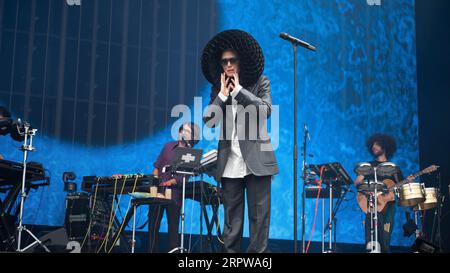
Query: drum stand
x=374, y=246
x=416, y=221
x=436, y=231
x=436, y=236
x=28, y=134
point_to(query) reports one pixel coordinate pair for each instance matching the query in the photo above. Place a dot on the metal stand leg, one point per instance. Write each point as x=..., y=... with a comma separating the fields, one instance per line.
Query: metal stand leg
x=323, y=225
x=182, y=216
x=28, y=136
x=330, y=222
x=36, y=241
x=201, y=215
x=372, y=228
x=433, y=228
x=375, y=244
x=133, y=241
x=440, y=198
x=181, y=247
x=335, y=231
x=416, y=220
x=436, y=227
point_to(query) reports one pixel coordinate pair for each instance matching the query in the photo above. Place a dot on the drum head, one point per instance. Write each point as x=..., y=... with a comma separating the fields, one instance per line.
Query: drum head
x=370, y=186
x=386, y=169
x=364, y=169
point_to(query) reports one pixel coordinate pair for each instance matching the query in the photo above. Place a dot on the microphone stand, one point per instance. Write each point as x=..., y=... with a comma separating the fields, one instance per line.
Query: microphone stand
x=303, y=189
x=436, y=231
x=439, y=209
x=295, y=43
x=294, y=47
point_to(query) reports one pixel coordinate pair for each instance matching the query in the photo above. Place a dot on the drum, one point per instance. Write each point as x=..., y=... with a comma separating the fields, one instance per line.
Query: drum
x=386, y=169
x=364, y=169
x=366, y=187
x=411, y=194
x=431, y=199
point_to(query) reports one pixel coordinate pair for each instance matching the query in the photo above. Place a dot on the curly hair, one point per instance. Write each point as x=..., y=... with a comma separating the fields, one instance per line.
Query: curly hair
x=386, y=142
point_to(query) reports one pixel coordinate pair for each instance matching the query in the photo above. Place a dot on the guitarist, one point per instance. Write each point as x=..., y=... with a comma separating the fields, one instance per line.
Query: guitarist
x=382, y=147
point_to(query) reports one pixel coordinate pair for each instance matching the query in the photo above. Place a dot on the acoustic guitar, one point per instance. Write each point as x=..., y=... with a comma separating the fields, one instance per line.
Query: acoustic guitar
x=385, y=197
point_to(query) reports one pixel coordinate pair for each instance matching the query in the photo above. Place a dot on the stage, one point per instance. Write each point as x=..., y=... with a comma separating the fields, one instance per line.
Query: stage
x=99, y=97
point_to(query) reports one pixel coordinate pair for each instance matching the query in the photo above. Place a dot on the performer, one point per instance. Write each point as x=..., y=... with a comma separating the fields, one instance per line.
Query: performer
x=382, y=147
x=233, y=62
x=188, y=136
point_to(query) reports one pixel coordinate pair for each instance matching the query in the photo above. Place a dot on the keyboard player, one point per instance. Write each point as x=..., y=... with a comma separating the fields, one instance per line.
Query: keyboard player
x=187, y=136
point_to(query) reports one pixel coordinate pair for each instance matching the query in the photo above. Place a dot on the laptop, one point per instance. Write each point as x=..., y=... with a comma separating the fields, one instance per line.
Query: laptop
x=187, y=159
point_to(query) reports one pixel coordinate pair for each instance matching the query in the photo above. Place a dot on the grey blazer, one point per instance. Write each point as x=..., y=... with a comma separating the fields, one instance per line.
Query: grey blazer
x=256, y=148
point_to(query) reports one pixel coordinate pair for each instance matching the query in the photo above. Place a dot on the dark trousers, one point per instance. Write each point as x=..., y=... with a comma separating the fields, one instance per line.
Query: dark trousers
x=258, y=201
x=173, y=219
x=385, y=227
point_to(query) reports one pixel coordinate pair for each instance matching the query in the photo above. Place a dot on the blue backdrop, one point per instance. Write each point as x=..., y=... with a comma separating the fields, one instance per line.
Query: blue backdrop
x=361, y=80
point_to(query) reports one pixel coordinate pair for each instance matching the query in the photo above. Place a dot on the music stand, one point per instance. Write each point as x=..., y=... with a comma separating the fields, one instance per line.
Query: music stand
x=186, y=162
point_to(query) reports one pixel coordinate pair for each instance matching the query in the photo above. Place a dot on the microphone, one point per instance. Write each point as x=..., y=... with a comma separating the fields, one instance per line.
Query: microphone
x=186, y=142
x=307, y=133
x=287, y=37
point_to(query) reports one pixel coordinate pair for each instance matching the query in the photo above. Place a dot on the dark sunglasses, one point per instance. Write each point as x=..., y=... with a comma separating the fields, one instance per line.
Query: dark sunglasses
x=225, y=62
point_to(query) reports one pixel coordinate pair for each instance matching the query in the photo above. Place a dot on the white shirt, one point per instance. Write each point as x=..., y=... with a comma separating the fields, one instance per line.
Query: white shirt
x=235, y=167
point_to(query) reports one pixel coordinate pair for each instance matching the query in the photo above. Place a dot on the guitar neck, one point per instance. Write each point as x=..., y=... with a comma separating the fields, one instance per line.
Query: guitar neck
x=404, y=181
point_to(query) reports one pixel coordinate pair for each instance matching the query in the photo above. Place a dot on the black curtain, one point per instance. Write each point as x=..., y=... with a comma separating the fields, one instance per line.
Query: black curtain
x=433, y=78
